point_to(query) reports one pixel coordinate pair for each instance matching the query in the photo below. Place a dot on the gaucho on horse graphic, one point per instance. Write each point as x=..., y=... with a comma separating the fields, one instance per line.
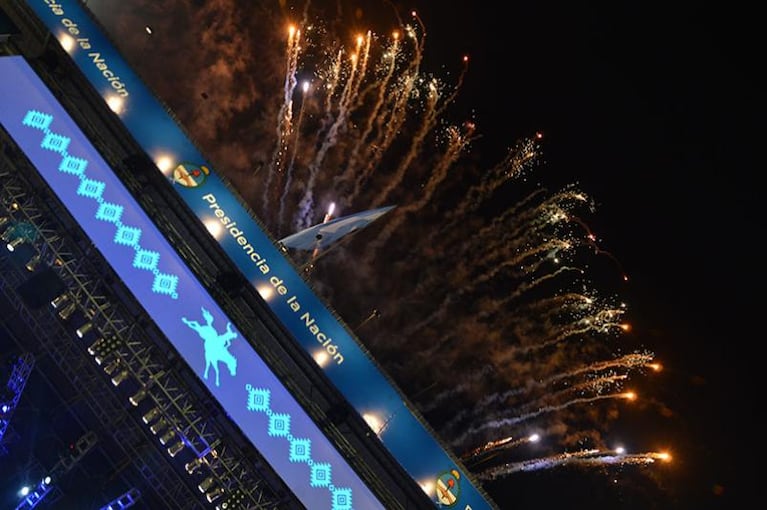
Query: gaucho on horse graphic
x=216, y=345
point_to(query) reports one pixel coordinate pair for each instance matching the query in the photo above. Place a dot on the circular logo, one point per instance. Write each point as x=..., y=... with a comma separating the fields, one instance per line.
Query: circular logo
x=448, y=488
x=190, y=175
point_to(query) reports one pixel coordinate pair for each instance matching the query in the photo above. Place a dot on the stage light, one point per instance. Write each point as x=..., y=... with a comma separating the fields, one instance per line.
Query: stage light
x=24, y=491
x=157, y=426
x=111, y=367
x=175, y=448
x=60, y=301
x=120, y=377
x=15, y=243
x=206, y=484
x=33, y=263
x=151, y=415
x=193, y=465
x=47, y=480
x=137, y=397
x=214, y=494
x=66, y=312
x=165, y=438
x=84, y=329
x=4, y=222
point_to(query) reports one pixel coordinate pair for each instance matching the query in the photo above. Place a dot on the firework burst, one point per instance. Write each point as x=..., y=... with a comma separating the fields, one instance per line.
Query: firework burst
x=487, y=313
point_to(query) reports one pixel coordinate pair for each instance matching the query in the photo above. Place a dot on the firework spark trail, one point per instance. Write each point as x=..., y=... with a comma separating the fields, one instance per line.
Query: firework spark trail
x=536, y=315
x=394, y=115
x=628, y=361
x=584, y=458
x=494, y=242
x=524, y=288
x=442, y=309
x=483, y=244
x=602, y=322
x=285, y=115
x=457, y=143
x=515, y=420
x=433, y=110
x=291, y=165
x=363, y=52
x=519, y=158
x=453, y=391
x=493, y=448
x=388, y=126
x=392, y=55
x=348, y=99
x=596, y=385
x=533, y=464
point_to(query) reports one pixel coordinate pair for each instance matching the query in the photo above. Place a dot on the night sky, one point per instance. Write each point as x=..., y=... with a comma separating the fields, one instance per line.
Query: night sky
x=649, y=108
x=653, y=108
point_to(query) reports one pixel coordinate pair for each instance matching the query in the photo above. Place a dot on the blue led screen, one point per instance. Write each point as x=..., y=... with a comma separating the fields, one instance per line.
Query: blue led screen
x=302, y=313
x=183, y=310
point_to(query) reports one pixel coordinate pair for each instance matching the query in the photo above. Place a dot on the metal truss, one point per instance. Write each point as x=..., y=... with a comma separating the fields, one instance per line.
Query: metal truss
x=127, y=343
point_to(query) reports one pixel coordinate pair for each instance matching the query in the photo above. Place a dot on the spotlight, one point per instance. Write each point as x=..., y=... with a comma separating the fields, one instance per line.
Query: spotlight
x=120, y=377
x=111, y=367
x=206, y=484
x=214, y=494
x=4, y=221
x=157, y=426
x=165, y=438
x=66, y=312
x=60, y=301
x=137, y=397
x=83, y=330
x=33, y=263
x=175, y=448
x=193, y=465
x=14, y=244
x=151, y=415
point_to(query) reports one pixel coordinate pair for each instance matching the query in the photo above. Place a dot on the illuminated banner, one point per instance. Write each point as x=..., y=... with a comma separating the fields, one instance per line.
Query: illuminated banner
x=307, y=318
x=237, y=377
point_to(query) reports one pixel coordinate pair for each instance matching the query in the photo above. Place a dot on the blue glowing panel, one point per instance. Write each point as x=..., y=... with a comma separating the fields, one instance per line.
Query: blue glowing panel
x=200, y=331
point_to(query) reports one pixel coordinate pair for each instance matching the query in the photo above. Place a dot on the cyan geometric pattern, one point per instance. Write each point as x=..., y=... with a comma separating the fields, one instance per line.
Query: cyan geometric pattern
x=146, y=259
x=258, y=399
x=300, y=450
x=164, y=284
x=279, y=425
x=91, y=189
x=342, y=499
x=320, y=473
